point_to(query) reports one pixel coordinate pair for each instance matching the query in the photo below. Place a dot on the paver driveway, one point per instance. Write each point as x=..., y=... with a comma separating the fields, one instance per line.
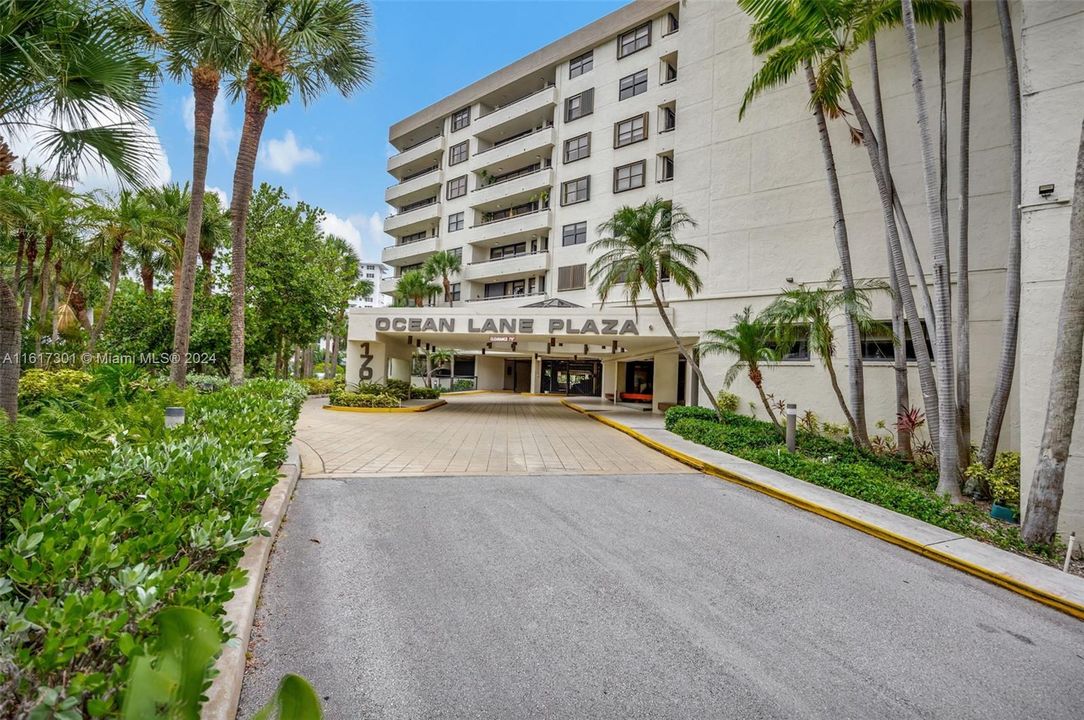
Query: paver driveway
x=503, y=593
x=491, y=433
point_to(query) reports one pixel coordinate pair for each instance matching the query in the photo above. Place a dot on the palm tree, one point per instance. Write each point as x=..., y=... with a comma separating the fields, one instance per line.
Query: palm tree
x=948, y=482
x=752, y=341
x=131, y=217
x=1011, y=314
x=290, y=45
x=963, y=267
x=636, y=248
x=201, y=43
x=816, y=310
x=170, y=204
x=415, y=286
x=435, y=359
x=1048, y=481
x=214, y=234
x=443, y=264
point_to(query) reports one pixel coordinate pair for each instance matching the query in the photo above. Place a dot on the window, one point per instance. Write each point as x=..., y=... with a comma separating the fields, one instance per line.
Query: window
x=457, y=252
x=879, y=344
x=630, y=131
x=412, y=237
x=629, y=177
x=796, y=346
x=457, y=187
x=666, y=168
x=667, y=118
x=458, y=153
x=580, y=105
x=508, y=251
x=574, y=234
x=580, y=64
x=669, y=71
x=576, y=191
x=461, y=119
x=671, y=23
x=455, y=288
x=634, y=40
x=571, y=277
x=578, y=148
x=632, y=85
x=455, y=222
x=505, y=289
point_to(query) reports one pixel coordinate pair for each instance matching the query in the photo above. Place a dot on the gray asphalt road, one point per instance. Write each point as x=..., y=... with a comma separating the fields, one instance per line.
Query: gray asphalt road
x=635, y=597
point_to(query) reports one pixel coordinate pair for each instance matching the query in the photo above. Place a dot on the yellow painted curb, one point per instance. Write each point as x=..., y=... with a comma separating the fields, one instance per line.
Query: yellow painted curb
x=416, y=408
x=1029, y=591
x=466, y=392
x=549, y=395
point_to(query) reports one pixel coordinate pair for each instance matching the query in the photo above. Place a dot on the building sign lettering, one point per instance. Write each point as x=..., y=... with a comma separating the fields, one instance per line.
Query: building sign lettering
x=508, y=326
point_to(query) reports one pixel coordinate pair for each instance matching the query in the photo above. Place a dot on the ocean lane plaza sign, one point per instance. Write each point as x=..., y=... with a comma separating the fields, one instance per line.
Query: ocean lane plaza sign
x=505, y=325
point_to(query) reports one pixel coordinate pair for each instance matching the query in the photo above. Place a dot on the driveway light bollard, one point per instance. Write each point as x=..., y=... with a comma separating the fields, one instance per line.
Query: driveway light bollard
x=1069, y=552
x=792, y=425
x=174, y=416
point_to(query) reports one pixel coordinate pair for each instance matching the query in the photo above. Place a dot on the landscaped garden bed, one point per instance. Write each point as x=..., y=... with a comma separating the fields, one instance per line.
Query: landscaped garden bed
x=886, y=479
x=109, y=516
x=391, y=394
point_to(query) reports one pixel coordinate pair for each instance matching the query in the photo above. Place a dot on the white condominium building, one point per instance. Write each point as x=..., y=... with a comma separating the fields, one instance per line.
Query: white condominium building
x=516, y=171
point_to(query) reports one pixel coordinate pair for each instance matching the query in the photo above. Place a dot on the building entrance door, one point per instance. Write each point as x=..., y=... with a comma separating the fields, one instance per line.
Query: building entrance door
x=572, y=377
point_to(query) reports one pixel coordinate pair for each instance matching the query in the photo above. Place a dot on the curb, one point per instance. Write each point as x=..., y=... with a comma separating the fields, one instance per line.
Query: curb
x=240, y=611
x=416, y=408
x=992, y=576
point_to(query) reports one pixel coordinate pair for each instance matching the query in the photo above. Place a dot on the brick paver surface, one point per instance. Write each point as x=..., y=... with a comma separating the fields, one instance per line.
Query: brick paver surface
x=492, y=433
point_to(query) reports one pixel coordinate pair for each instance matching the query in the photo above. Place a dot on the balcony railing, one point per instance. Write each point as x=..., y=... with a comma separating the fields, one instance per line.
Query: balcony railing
x=402, y=241
x=505, y=141
x=508, y=257
x=508, y=297
x=511, y=176
x=413, y=206
x=495, y=108
x=510, y=217
x=415, y=176
x=420, y=142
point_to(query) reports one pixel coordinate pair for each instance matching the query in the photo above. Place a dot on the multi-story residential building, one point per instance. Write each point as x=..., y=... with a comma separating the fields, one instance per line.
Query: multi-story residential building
x=516, y=171
x=374, y=273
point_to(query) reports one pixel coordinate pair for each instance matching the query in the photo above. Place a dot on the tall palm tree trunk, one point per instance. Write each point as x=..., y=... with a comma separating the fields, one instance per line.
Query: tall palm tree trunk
x=10, y=348
x=689, y=359
x=926, y=379
x=899, y=322
x=855, y=373
x=146, y=275
x=207, y=258
x=205, y=89
x=28, y=281
x=1011, y=313
x=942, y=129
x=255, y=116
x=914, y=260
x=19, y=251
x=948, y=480
x=757, y=379
x=111, y=291
x=963, y=279
x=43, y=278
x=1048, y=481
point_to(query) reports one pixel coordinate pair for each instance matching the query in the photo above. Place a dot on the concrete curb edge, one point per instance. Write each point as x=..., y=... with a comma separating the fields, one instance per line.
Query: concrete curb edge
x=417, y=408
x=992, y=576
x=240, y=611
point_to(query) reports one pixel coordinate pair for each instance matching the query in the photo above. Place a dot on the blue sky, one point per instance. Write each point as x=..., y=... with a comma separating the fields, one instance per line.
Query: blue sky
x=333, y=153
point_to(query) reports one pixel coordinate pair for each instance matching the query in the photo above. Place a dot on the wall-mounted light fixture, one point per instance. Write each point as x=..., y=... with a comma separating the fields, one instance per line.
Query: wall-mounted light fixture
x=1046, y=190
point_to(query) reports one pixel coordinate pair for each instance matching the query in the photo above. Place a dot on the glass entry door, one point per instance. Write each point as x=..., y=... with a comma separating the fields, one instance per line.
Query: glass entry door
x=572, y=377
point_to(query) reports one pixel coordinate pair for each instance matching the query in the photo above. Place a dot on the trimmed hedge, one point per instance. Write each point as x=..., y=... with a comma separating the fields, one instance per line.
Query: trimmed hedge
x=887, y=481
x=345, y=398
x=135, y=518
x=320, y=386
x=398, y=389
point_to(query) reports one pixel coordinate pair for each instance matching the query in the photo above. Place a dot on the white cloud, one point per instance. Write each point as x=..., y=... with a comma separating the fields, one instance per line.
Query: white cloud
x=223, y=133
x=364, y=232
x=92, y=175
x=222, y=196
x=285, y=154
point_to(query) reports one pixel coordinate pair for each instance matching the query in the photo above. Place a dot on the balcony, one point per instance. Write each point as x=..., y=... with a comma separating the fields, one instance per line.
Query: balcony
x=513, y=189
x=521, y=151
x=429, y=149
x=518, y=296
x=413, y=220
x=542, y=100
x=387, y=285
x=415, y=188
x=527, y=224
x=524, y=264
x=409, y=252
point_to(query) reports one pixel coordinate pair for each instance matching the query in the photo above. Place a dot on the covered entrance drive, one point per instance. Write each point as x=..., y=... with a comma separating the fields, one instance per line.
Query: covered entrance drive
x=608, y=353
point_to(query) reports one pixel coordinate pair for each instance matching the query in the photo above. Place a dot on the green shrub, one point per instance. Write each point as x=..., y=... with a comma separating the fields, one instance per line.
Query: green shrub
x=680, y=412
x=37, y=386
x=424, y=393
x=320, y=386
x=125, y=518
x=1002, y=480
x=345, y=398
x=462, y=384
x=728, y=401
x=206, y=383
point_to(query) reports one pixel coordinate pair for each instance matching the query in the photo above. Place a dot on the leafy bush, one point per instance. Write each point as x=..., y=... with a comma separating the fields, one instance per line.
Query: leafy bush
x=462, y=384
x=125, y=518
x=398, y=389
x=206, y=383
x=680, y=412
x=37, y=386
x=320, y=386
x=345, y=398
x=1002, y=480
x=424, y=393
x=728, y=401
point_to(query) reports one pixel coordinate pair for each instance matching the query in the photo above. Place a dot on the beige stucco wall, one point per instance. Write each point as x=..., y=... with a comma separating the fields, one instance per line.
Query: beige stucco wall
x=1053, y=90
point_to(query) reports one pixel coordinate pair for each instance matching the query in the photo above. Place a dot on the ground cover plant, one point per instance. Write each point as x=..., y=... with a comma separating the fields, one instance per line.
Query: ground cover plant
x=882, y=479
x=109, y=517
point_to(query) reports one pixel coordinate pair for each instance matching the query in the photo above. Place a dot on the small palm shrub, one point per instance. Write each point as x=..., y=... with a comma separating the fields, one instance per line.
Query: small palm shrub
x=728, y=401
